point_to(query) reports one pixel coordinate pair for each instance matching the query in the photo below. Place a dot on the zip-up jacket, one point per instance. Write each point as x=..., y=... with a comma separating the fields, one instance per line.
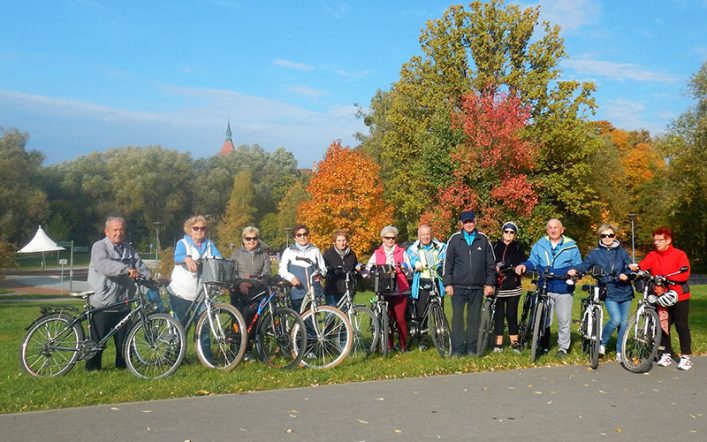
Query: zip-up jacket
x=611, y=259
x=417, y=252
x=471, y=266
x=565, y=256
x=336, y=278
x=290, y=268
x=669, y=261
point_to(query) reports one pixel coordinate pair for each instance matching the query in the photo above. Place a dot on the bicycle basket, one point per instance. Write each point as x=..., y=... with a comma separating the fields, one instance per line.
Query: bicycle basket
x=384, y=279
x=217, y=270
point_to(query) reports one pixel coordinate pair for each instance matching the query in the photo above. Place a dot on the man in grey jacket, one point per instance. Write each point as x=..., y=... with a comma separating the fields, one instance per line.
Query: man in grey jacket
x=114, y=264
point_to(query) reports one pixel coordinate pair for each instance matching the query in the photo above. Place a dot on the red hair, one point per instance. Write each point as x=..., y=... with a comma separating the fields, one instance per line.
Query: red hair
x=665, y=231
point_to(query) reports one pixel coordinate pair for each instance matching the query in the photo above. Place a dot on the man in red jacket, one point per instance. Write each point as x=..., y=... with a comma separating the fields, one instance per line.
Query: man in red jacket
x=663, y=260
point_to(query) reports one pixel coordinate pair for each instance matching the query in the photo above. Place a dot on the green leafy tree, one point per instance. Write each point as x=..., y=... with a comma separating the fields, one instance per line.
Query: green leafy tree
x=276, y=230
x=239, y=211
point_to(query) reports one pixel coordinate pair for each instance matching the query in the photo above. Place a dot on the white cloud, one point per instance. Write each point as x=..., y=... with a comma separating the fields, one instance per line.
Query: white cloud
x=306, y=91
x=628, y=115
x=617, y=71
x=337, y=9
x=287, y=64
x=571, y=15
x=350, y=74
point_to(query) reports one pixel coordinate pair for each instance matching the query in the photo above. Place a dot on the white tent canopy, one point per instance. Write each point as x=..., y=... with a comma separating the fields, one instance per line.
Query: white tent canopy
x=40, y=243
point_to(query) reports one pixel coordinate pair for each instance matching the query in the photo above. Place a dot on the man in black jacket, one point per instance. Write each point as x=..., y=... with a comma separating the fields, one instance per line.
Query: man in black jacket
x=469, y=275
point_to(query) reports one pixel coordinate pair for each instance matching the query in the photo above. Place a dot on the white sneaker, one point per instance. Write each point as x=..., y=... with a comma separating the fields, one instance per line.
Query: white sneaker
x=602, y=350
x=498, y=349
x=618, y=358
x=685, y=363
x=665, y=360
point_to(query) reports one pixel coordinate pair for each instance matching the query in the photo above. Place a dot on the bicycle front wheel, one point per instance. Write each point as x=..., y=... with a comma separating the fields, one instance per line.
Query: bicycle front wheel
x=281, y=339
x=538, y=327
x=155, y=348
x=485, y=328
x=365, y=330
x=640, y=342
x=329, y=337
x=384, y=327
x=594, y=342
x=51, y=346
x=221, y=337
x=439, y=330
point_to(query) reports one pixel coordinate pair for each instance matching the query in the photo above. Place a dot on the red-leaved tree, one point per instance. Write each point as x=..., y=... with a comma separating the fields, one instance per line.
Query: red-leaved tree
x=490, y=168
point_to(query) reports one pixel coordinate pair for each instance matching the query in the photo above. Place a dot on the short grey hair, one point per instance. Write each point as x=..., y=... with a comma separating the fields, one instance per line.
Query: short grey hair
x=389, y=230
x=606, y=226
x=112, y=219
x=250, y=231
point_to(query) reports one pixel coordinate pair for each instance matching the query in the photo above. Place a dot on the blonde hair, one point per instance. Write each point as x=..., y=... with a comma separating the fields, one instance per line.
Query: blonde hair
x=606, y=226
x=250, y=231
x=193, y=220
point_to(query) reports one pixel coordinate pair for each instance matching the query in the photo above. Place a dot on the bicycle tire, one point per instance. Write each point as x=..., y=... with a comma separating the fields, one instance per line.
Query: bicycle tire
x=275, y=336
x=50, y=347
x=326, y=349
x=537, y=327
x=224, y=347
x=485, y=328
x=594, y=342
x=155, y=348
x=525, y=326
x=438, y=327
x=640, y=342
x=385, y=334
x=365, y=330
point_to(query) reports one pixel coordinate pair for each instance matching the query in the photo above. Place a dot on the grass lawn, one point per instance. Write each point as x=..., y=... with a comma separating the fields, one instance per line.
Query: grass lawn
x=22, y=392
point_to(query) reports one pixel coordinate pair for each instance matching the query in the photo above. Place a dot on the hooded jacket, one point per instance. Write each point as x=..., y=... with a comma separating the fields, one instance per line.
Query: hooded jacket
x=560, y=259
x=611, y=259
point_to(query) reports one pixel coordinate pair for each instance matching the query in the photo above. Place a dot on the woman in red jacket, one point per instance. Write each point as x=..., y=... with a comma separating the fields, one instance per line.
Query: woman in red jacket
x=663, y=260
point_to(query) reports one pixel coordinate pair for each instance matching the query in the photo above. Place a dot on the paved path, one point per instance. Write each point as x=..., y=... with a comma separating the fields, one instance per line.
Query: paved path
x=556, y=404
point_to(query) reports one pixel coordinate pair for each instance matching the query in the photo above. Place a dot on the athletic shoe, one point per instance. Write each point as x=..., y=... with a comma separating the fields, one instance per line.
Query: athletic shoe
x=685, y=363
x=561, y=354
x=498, y=350
x=665, y=360
x=516, y=347
x=602, y=350
x=618, y=358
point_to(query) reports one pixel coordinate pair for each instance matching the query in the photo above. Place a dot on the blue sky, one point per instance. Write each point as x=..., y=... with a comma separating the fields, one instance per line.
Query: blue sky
x=88, y=75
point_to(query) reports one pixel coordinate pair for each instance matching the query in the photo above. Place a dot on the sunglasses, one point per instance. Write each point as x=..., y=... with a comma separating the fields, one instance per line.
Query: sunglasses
x=199, y=228
x=510, y=232
x=300, y=235
x=388, y=237
x=608, y=235
x=251, y=238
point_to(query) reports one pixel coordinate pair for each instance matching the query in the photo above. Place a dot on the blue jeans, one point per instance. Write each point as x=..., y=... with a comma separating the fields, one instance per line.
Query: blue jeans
x=465, y=333
x=618, y=316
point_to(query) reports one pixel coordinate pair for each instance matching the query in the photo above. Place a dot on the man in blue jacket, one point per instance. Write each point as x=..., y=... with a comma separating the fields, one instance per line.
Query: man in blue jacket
x=559, y=253
x=469, y=275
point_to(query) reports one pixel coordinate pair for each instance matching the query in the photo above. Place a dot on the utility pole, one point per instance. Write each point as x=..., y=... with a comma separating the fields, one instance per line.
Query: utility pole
x=632, y=218
x=157, y=239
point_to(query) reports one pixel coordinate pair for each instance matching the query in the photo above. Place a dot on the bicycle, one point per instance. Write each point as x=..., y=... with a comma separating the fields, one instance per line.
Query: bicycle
x=488, y=317
x=539, y=314
x=154, y=345
x=437, y=324
x=328, y=330
x=592, y=318
x=274, y=325
x=219, y=332
x=643, y=332
x=363, y=321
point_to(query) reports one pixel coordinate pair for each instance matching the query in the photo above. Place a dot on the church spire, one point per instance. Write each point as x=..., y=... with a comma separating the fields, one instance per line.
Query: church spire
x=228, y=143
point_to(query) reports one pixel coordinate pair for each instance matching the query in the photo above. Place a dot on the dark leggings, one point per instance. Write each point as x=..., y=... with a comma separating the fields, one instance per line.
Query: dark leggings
x=677, y=314
x=396, y=312
x=507, y=308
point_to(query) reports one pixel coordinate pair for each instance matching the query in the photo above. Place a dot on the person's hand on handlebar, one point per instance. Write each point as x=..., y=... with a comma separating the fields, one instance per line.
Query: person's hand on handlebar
x=191, y=264
x=295, y=282
x=244, y=287
x=572, y=272
x=133, y=273
x=520, y=269
x=634, y=267
x=489, y=290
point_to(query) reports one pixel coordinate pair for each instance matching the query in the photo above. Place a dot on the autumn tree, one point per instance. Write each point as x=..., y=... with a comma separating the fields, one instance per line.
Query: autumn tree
x=239, y=211
x=275, y=227
x=346, y=193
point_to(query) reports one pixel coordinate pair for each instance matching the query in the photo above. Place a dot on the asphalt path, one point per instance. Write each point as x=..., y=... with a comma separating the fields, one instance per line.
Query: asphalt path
x=552, y=404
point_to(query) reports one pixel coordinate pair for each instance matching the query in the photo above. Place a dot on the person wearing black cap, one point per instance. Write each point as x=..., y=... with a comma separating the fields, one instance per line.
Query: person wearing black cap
x=509, y=253
x=469, y=275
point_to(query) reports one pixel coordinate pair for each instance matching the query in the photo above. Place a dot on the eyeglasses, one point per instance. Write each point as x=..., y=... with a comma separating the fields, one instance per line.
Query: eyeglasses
x=300, y=235
x=199, y=228
x=251, y=238
x=510, y=232
x=608, y=235
x=389, y=238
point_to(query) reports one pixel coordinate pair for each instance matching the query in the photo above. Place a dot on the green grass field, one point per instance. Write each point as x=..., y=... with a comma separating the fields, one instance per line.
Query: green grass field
x=22, y=392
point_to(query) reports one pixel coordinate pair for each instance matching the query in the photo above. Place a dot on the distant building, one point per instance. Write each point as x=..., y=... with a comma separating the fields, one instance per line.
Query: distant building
x=228, y=144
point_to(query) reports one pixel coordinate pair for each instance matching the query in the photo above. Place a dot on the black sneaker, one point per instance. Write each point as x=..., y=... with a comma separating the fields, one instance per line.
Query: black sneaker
x=561, y=354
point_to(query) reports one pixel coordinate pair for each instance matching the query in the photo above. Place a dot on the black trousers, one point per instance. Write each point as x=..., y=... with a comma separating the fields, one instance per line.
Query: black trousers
x=101, y=323
x=677, y=314
x=506, y=310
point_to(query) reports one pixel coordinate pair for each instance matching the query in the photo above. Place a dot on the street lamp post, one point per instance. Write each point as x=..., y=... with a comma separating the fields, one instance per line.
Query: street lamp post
x=287, y=235
x=632, y=218
x=157, y=239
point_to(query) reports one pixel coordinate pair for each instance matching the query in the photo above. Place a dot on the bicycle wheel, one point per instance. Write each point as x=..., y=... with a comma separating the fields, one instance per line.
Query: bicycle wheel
x=594, y=342
x=275, y=339
x=155, y=348
x=329, y=337
x=640, y=342
x=365, y=330
x=223, y=345
x=485, y=328
x=538, y=327
x=51, y=346
x=525, y=325
x=384, y=323
x=439, y=330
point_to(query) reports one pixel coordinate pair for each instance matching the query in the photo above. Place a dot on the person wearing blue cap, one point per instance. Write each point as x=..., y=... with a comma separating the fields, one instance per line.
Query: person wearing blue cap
x=469, y=275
